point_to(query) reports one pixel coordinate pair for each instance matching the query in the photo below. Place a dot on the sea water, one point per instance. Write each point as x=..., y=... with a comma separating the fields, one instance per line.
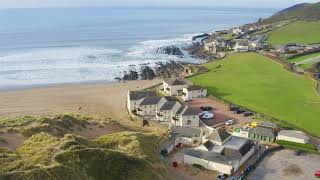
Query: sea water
x=73, y=45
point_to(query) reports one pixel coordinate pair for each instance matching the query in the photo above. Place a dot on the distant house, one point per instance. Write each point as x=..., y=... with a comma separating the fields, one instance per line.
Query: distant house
x=167, y=111
x=225, y=159
x=174, y=87
x=134, y=98
x=262, y=134
x=241, y=45
x=293, y=136
x=193, y=91
x=237, y=31
x=211, y=47
x=149, y=105
x=186, y=117
x=184, y=136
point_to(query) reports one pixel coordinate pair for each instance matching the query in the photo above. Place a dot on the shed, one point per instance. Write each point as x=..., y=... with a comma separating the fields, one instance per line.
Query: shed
x=262, y=134
x=293, y=136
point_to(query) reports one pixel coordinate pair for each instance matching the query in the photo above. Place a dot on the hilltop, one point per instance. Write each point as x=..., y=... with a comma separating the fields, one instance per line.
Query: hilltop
x=305, y=11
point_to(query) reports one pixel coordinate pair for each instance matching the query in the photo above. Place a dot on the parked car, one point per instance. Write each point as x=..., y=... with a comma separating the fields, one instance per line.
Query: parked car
x=206, y=108
x=240, y=111
x=247, y=113
x=233, y=108
x=230, y=122
x=207, y=115
x=222, y=176
x=204, y=112
x=317, y=174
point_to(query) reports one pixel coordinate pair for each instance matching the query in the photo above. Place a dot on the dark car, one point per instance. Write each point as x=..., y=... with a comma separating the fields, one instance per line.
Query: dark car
x=240, y=111
x=206, y=108
x=222, y=176
x=247, y=113
x=233, y=108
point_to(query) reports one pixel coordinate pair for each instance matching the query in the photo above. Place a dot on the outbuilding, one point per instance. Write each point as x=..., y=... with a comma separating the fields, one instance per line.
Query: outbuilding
x=262, y=134
x=293, y=136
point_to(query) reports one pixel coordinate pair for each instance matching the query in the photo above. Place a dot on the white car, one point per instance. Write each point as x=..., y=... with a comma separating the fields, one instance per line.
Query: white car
x=206, y=115
x=230, y=122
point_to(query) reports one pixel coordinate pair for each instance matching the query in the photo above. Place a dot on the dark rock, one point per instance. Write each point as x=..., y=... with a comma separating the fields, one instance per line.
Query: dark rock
x=170, y=50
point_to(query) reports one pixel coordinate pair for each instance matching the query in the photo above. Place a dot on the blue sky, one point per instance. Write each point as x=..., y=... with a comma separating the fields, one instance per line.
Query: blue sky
x=59, y=3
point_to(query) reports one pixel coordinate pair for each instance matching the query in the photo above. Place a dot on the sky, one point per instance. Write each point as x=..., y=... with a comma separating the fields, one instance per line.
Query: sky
x=68, y=3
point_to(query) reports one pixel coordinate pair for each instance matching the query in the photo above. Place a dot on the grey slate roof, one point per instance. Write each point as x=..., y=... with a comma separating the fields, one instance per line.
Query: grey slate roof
x=137, y=95
x=168, y=105
x=294, y=134
x=191, y=111
x=219, y=135
x=194, y=88
x=175, y=82
x=238, y=154
x=181, y=109
x=151, y=100
x=209, y=145
x=262, y=131
x=185, y=132
x=208, y=155
x=267, y=124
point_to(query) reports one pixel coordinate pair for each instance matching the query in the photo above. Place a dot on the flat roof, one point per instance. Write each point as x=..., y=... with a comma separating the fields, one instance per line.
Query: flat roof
x=235, y=143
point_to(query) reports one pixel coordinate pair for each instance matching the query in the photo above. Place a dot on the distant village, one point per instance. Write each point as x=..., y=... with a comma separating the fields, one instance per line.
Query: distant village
x=198, y=134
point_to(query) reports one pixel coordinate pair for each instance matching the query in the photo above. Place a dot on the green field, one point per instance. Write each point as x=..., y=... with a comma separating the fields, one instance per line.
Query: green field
x=262, y=85
x=301, y=32
x=304, y=57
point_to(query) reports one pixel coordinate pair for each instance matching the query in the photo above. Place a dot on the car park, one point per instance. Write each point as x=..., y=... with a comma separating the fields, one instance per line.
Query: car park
x=230, y=122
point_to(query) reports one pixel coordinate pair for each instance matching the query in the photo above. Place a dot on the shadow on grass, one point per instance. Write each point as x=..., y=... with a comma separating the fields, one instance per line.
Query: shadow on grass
x=216, y=92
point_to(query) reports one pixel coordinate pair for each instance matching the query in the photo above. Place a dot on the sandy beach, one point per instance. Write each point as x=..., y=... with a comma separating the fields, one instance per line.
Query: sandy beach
x=98, y=100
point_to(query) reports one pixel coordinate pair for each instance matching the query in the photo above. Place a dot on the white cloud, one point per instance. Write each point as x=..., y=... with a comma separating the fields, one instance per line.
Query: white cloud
x=52, y=3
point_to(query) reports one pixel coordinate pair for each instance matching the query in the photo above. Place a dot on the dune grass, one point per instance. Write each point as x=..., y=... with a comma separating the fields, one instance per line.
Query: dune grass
x=301, y=32
x=262, y=85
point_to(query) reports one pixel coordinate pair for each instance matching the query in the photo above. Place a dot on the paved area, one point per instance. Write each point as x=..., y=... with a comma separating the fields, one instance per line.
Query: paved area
x=285, y=165
x=221, y=112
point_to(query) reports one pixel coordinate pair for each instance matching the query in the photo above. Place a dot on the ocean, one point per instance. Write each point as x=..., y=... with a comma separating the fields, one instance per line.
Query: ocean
x=48, y=46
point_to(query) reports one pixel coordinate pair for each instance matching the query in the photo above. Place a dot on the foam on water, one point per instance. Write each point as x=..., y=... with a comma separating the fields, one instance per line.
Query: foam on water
x=81, y=64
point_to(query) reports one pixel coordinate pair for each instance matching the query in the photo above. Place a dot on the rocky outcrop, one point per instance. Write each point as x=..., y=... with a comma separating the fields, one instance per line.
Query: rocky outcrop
x=170, y=50
x=196, y=50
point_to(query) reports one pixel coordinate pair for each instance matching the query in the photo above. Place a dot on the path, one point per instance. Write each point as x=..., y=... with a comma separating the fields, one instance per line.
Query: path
x=310, y=60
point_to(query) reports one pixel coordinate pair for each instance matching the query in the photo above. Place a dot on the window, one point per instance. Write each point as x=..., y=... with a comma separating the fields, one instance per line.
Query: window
x=195, y=141
x=189, y=122
x=194, y=117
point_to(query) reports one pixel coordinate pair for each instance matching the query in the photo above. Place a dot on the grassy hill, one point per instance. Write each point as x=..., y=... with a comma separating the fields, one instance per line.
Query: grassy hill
x=301, y=32
x=305, y=11
x=53, y=153
x=262, y=85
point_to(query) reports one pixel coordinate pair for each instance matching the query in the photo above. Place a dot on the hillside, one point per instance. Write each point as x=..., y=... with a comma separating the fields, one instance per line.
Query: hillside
x=305, y=11
x=53, y=149
x=262, y=85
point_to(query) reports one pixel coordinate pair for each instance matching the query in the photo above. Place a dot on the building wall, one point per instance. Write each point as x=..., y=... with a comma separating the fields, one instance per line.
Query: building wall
x=150, y=110
x=168, y=114
x=189, y=95
x=292, y=139
x=260, y=138
x=193, y=160
x=245, y=158
x=189, y=121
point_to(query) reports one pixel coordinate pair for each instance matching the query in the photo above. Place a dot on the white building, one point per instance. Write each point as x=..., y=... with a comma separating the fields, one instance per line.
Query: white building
x=167, y=111
x=193, y=91
x=211, y=47
x=293, y=136
x=242, y=45
x=134, y=98
x=225, y=159
x=186, y=117
x=174, y=87
x=237, y=31
x=149, y=105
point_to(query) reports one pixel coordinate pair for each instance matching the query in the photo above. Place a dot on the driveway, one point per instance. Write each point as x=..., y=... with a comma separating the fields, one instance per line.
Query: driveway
x=285, y=165
x=220, y=110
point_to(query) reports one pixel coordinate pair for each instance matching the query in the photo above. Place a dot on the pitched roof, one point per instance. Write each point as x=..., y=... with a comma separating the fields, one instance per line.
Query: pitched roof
x=194, y=88
x=168, y=105
x=151, y=100
x=219, y=135
x=137, y=95
x=191, y=111
x=209, y=145
x=262, y=131
x=237, y=154
x=182, y=109
x=208, y=155
x=175, y=82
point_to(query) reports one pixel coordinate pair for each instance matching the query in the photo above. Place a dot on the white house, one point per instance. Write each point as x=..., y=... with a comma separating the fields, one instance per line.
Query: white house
x=218, y=137
x=242, y=45
x=149, y=105
x=167, y=111
x=225, y=159
x=237, y=31
x=186, y=117
x=193, y=91
x=174, y=87
x=182, y=135
x=134, y=98
x=293, y=136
